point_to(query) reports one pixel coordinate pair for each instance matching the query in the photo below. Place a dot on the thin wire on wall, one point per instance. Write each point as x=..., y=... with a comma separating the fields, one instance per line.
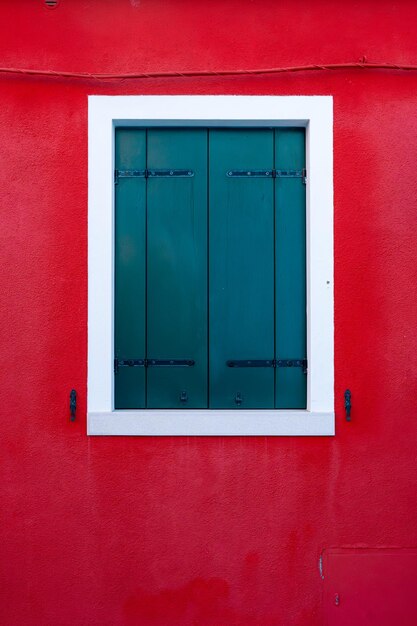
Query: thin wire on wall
x=361, y=65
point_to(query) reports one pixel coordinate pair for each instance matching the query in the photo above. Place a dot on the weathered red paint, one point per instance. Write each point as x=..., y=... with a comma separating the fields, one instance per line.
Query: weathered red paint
x=194, y=531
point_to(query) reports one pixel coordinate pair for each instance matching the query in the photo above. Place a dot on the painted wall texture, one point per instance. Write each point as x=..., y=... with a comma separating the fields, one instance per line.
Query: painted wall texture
x=199, y=531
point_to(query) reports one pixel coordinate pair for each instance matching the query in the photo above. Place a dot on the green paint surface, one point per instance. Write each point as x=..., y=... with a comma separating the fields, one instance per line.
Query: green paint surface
x=210, y=268
x=177, y=268
x=241, y=240
x=130, y=234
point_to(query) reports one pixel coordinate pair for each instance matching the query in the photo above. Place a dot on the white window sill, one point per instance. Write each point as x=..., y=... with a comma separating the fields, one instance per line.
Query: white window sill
x=211, y=422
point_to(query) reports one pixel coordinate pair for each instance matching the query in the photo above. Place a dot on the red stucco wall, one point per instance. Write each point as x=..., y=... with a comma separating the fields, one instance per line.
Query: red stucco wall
x=194, y=531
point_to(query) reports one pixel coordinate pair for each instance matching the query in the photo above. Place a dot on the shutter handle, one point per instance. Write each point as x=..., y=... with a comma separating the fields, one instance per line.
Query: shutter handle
x=238, y=398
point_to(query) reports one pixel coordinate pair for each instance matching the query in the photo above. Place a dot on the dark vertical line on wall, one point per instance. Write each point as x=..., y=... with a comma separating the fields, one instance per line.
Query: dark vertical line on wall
x=146, y=268
x=208, y=267
x=274, y=192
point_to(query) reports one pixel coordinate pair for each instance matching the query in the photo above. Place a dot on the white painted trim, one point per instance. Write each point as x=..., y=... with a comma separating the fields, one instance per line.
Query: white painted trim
x=313, y=112
x=224, y=423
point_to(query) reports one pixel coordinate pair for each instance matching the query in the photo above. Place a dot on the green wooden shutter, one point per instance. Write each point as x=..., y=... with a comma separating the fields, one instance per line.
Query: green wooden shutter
x=210, y=268
x=130, y=210
x=241, y=236
x=177, y=268
x=290, y=224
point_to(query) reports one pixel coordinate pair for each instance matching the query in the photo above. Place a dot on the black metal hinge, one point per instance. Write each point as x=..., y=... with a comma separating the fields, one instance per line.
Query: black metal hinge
x=152, y=363
x=153, y=173
x=269, y=363
x=128, y=174
x=128, y=363
x=273, y=173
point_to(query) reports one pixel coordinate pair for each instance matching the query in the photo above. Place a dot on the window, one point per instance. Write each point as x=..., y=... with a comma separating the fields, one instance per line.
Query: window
x=201, y=342
x=210, y=268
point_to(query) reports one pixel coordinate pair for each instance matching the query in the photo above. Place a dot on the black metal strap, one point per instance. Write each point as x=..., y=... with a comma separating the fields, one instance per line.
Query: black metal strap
x=251, y=363
x=272, y=173
x=154, y=173
x=250, y=173
x=291, y=173
x=130, y=173
x=269, y=363
x=169, y=363
x=152, y=363
x=128, y=363
x=293, y=363
x=170, y=173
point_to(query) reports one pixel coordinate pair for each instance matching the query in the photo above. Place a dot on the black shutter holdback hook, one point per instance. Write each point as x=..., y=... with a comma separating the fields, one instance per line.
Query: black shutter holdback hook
x=348, y=404
x=73, y=404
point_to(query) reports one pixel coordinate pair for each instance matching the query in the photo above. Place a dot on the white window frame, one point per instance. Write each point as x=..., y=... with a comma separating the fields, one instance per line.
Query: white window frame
x=315, y=113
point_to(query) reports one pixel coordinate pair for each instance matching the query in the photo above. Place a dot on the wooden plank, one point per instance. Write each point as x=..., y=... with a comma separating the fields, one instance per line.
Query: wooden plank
x=177, y=268
x=290, y=224
x=130, y=209
x=241, y=277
